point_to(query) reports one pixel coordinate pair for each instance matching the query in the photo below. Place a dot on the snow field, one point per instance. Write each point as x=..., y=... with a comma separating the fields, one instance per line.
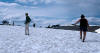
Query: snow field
x=42, y=40
x=98, y=30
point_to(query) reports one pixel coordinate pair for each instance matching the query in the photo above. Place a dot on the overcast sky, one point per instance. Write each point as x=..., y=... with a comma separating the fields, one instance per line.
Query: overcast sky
x=51, y=11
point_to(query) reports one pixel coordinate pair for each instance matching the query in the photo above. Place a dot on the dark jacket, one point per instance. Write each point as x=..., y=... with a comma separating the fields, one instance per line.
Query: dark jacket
x=27, y=19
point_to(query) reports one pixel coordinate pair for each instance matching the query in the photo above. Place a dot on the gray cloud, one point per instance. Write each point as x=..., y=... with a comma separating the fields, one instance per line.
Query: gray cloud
x=8, y=4
x=69, y=9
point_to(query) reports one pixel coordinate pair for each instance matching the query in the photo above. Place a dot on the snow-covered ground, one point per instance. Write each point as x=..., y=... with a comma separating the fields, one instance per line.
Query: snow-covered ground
x=42, y=40
x=98, y=30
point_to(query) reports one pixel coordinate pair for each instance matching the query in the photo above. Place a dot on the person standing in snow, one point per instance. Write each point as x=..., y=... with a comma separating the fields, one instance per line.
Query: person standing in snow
x=27, y=22
x=83, y=26
x=34, y=25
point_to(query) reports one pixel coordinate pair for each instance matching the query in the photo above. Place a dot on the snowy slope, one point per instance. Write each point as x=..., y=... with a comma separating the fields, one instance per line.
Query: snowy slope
x=41, y=40
x=98, y=30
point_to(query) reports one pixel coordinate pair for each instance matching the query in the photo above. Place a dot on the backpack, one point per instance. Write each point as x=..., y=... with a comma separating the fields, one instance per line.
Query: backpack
x=29, y=20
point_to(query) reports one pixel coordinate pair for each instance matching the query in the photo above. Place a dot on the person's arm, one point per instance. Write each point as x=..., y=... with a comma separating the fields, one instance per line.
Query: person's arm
x=77, y=21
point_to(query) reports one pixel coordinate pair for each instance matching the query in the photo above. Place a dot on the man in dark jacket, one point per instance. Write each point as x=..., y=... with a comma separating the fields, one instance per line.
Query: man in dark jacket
x=83, y=26
x=27, y=24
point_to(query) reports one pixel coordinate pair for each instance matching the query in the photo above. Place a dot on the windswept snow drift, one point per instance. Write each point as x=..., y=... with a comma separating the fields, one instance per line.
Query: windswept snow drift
x=42, y=40
x=98, y=30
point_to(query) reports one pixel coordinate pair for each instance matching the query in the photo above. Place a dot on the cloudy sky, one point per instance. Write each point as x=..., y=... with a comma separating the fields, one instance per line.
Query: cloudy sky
x=50, y=11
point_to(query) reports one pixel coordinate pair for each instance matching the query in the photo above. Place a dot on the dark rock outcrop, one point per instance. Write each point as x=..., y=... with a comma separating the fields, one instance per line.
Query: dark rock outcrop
x=77, y=28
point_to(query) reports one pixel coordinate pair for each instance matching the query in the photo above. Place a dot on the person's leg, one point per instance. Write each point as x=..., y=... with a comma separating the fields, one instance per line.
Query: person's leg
x=80, y=34
x=84, y=36
x=28, y=28
x=25, y=29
